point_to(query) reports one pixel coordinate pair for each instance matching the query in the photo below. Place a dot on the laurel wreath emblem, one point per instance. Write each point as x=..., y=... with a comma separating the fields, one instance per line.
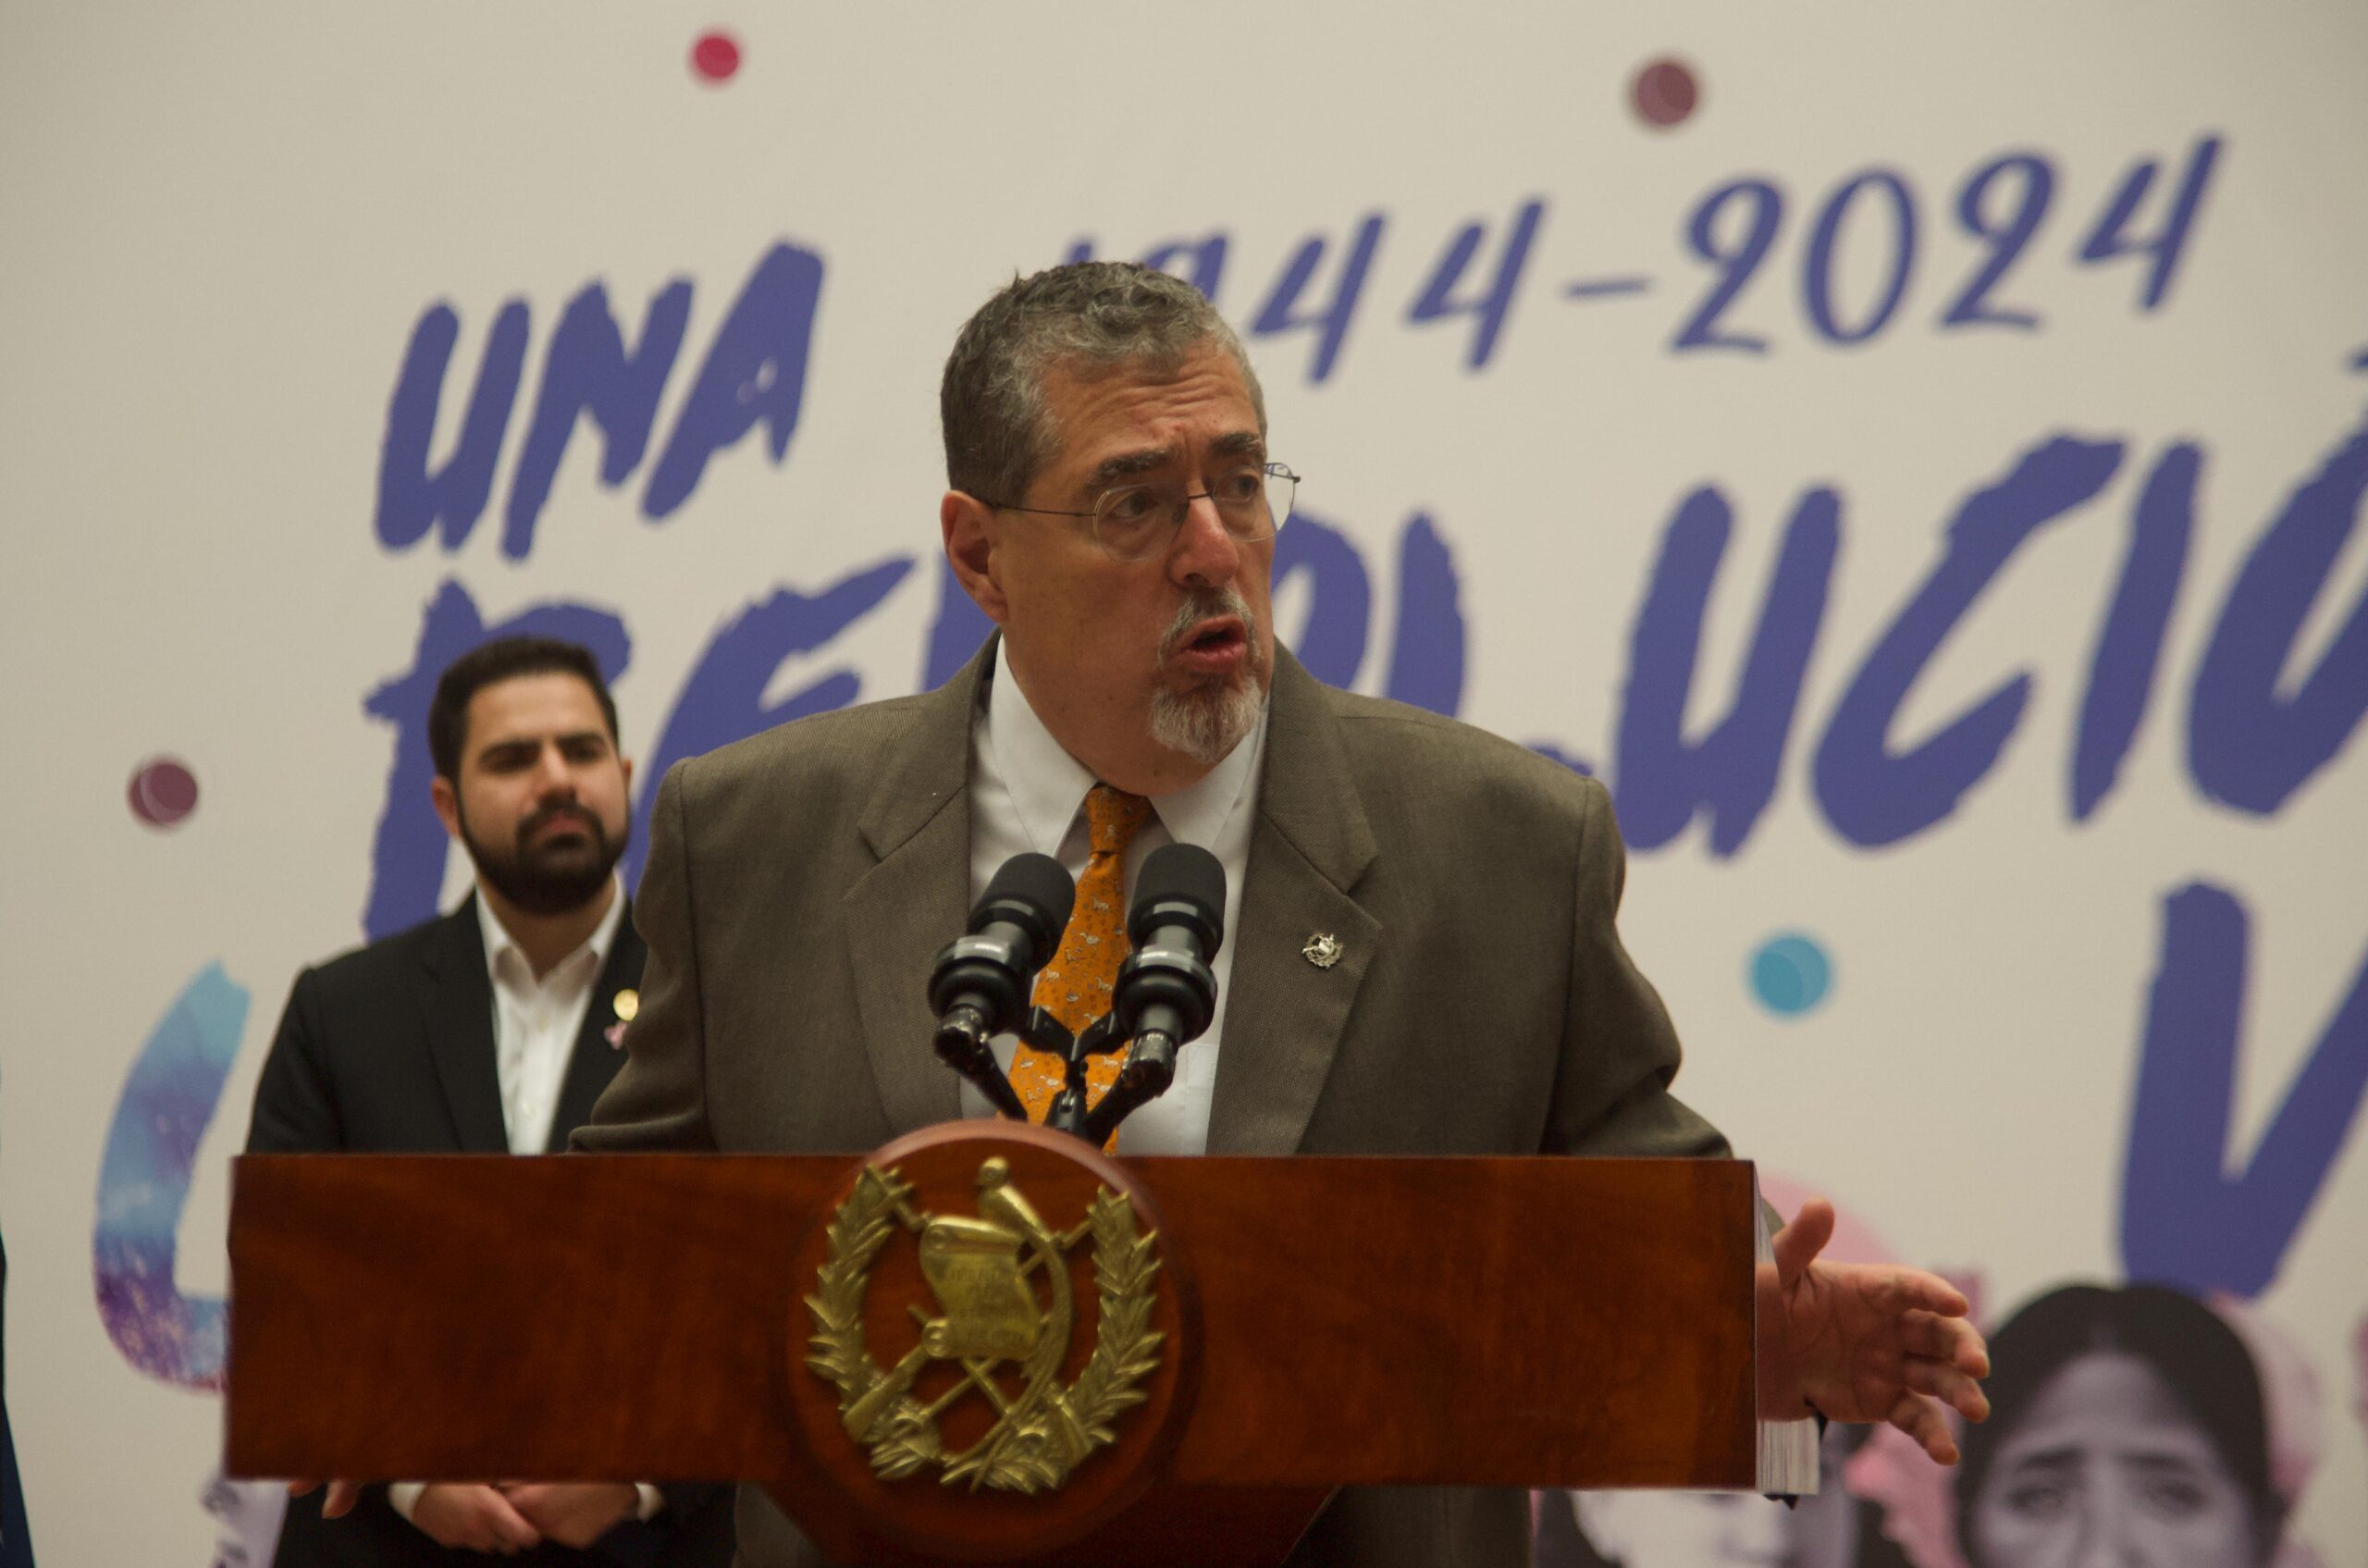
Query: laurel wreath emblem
x=1037, y=1439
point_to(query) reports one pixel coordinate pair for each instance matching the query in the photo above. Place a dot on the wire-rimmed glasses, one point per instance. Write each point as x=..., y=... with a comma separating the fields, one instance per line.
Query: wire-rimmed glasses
x=1136, y=522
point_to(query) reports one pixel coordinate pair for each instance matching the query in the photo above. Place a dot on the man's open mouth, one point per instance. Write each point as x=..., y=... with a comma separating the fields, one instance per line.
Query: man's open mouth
x=1213, y=647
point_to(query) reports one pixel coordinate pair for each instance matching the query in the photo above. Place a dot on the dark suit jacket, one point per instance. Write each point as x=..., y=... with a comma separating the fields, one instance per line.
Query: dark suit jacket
x=800, y=881
x=389, y=1050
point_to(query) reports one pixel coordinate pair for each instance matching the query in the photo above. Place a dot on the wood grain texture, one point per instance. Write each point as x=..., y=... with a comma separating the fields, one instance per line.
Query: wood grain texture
x=1469, y=1322
x=1559, y=1323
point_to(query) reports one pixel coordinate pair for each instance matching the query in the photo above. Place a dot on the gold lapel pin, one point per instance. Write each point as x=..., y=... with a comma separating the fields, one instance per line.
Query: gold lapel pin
x=627, y=1003
x=1323, y=950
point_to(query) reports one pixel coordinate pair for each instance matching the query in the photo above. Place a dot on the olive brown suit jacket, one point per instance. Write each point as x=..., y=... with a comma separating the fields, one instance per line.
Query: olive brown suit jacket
x=800, y=882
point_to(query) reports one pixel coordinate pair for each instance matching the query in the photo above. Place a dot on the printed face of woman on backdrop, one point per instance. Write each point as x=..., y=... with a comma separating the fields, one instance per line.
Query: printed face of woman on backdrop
x=2107, y=1466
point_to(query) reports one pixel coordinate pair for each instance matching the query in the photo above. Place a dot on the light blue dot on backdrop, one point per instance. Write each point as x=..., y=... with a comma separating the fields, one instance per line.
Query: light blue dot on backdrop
x=1789, y=974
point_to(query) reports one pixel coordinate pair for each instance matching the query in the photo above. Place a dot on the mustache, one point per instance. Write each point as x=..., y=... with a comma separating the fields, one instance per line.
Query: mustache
x=1201, y=607
x=558, y=810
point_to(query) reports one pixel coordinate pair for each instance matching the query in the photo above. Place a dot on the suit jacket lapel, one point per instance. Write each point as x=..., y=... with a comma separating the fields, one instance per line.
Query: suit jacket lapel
x=594, y=1059
x=459, y=1018
x=916, y=899
x=1310, y=844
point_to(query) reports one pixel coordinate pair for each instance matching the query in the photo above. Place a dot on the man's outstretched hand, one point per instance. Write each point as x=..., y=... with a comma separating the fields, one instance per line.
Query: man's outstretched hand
x=1861, y=1342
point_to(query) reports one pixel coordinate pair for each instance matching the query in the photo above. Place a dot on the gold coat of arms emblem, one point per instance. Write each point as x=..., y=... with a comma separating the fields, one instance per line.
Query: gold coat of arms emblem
x=1006, y=1317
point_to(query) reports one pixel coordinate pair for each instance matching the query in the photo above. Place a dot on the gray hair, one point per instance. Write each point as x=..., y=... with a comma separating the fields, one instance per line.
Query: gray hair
x=1097, y=314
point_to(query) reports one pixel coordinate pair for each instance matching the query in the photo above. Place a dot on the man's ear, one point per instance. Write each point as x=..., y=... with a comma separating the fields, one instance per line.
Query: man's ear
x=967, y=523
x=448, y=805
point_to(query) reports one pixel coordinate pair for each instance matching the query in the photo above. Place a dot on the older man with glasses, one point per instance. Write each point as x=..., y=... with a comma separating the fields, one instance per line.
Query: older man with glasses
x=1112, y=507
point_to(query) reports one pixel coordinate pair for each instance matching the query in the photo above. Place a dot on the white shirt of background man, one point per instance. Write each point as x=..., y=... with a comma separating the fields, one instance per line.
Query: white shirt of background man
x=535, y=1021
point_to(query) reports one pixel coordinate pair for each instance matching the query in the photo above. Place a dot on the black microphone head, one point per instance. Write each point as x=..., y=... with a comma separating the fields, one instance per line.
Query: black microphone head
x=1032, y=892
x=1174, y=875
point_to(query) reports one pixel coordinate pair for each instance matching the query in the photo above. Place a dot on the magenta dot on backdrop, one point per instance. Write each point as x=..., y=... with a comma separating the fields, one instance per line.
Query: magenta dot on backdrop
x=716, y=55
x=163, y=792
x=1666, y=93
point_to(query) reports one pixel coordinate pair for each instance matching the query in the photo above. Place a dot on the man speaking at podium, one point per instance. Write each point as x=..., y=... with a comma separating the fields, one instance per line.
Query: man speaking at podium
x=1421, y=960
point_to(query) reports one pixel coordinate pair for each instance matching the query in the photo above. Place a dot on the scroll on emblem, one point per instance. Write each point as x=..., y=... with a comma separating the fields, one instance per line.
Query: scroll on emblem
x=1007, y=1314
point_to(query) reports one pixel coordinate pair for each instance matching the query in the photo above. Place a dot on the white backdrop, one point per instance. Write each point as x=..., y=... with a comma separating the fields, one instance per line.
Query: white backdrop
x=1889, y=258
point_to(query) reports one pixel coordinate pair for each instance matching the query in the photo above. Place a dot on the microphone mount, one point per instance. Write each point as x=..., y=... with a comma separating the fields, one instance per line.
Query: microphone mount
x=1164, y=996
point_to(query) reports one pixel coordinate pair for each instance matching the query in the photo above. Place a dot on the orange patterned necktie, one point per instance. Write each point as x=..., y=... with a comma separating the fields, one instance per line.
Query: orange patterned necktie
x=1076, y=986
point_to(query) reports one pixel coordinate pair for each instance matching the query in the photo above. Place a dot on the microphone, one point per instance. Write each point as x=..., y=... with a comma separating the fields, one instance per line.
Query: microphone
x=979, y=987
x=1166, y=995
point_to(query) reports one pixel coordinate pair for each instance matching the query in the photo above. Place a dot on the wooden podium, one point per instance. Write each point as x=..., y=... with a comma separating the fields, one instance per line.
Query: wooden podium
x=1322, y=1322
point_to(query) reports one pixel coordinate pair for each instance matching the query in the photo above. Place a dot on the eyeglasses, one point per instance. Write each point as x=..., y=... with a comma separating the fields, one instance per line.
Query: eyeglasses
x=1136, y=522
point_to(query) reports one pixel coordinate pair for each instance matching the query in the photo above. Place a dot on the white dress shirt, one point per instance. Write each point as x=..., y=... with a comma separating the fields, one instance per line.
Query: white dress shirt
x=1026, y=792
x=535, y=1021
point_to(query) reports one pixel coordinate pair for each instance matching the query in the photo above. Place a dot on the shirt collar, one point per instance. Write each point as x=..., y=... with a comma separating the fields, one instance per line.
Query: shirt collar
x=499, y=941
x=1048, y=786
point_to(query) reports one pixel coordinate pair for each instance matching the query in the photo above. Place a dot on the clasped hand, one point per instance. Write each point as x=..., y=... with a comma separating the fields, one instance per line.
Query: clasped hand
x=512, y=1517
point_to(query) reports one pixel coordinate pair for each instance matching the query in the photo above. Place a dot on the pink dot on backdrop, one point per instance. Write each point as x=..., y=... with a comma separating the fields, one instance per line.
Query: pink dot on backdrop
x=1666, y=93
x=163, y=792
x=716, y=55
